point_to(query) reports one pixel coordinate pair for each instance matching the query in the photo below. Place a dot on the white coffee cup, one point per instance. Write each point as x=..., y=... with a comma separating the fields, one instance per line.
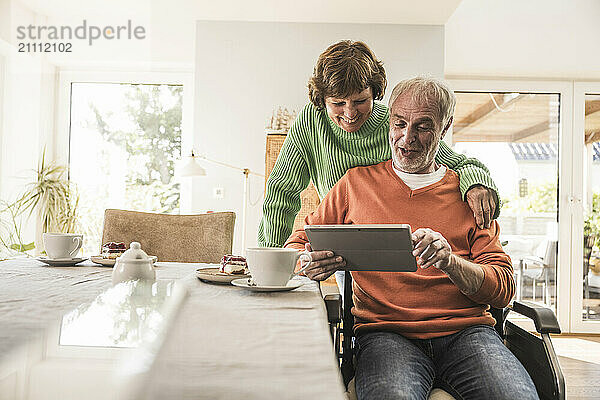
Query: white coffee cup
x=62, y=245
x=274, y=266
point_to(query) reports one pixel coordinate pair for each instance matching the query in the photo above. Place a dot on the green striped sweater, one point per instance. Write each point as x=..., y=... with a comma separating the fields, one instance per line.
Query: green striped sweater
x=317, y=149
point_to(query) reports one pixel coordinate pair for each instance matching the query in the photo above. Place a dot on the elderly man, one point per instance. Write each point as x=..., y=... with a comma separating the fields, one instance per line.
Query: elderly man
x=431, y=326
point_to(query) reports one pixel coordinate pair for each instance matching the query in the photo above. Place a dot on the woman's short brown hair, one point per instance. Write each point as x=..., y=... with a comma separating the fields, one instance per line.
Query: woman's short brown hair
x=343, y=69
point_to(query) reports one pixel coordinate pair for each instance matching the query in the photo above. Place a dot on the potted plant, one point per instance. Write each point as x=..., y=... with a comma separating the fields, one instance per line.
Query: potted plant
x=51, y=197
x=11, y=237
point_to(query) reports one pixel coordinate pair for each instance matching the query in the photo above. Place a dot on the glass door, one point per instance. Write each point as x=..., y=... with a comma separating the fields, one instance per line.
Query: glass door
x=586, y=224
x=518, y=130
x=516, y=136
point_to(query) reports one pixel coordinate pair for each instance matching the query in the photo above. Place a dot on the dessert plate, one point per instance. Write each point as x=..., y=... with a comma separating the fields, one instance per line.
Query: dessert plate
x=61, y=262
x=244, y=283
x=213, y=275
x=110, y=262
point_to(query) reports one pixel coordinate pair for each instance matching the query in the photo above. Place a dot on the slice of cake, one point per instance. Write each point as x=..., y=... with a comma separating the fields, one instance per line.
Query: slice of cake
x=231, y=264
x=113, y=250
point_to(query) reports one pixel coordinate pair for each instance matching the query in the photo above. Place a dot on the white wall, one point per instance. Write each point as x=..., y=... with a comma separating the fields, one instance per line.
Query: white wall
x=516, y=38
x=29, y=96
x=245, y=69
x=5, y=20
x=27, y=122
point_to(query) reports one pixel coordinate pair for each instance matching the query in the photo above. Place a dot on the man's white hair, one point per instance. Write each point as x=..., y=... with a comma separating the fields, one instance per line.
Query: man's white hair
x=426, y=90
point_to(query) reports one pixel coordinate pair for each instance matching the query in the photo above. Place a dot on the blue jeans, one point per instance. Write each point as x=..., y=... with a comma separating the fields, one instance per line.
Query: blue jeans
x=471, y=364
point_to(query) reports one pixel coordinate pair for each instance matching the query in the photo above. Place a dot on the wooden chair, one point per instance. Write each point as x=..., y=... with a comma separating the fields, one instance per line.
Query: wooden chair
x=178, y=238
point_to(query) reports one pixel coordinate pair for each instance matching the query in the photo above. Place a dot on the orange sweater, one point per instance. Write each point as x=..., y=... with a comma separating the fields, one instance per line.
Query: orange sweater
x=422, y=304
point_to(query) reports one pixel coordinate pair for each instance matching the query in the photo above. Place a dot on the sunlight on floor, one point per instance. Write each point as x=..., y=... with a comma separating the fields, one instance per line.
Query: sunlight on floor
x=578, y=349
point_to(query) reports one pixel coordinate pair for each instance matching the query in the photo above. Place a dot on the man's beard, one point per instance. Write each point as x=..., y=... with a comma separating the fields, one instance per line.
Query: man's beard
x=414, y=165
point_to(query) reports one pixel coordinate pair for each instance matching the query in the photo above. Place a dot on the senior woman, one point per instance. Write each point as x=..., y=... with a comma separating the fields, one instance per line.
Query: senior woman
x=342, y=127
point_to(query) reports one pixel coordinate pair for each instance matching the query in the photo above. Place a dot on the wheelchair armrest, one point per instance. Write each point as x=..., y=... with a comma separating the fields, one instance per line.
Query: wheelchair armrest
x=543, y=317
x=333, y=303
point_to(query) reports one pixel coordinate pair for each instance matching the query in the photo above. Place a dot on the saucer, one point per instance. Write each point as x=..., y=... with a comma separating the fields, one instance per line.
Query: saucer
x=243, y=283
x=213, y=275
x=61, y=262
x=110, y=262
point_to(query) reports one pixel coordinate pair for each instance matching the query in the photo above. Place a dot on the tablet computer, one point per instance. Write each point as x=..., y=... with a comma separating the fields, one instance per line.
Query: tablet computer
x=378, y=247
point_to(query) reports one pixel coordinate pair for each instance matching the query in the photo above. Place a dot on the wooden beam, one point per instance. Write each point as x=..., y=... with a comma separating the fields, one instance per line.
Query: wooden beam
x=530, y=131
x=592, y=106
x=483, y=112
x=591, y=137
x=486, y=110
x=477, y=114
x=481, y=138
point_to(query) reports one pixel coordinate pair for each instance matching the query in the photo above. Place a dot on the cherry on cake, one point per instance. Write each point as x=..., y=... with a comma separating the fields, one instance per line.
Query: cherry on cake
x=231, y=264
x=112, y=250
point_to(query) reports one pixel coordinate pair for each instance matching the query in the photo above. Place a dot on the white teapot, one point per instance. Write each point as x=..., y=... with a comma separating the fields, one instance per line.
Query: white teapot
x=132, y=265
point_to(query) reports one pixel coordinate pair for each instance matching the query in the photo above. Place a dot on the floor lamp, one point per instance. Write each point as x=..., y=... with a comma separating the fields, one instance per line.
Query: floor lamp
x=192, y=168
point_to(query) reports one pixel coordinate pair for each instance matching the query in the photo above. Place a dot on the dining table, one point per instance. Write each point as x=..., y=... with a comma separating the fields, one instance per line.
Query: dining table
x=219, y=341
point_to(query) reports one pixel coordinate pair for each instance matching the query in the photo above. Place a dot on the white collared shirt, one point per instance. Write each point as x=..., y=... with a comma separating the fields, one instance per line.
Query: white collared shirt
x=417, y=181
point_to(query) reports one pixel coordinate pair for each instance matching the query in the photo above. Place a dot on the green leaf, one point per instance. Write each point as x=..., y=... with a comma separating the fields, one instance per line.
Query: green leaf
x=24, y=247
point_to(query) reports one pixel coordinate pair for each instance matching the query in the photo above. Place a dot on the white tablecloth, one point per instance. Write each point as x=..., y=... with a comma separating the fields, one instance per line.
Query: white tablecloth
x=32, y=294
x=230, y=343
x=226, y=342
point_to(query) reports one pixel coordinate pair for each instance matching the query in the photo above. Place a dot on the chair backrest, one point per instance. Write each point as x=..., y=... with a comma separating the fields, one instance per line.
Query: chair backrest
x=588, y=244
x=179, y=238
x=551, y=254
x=548, y=252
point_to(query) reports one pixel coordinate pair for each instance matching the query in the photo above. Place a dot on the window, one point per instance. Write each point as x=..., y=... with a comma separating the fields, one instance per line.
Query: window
x=124, y=141
x=516, y=135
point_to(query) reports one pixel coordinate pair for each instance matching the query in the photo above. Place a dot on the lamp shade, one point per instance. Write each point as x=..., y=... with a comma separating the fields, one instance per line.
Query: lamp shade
x=191, y=168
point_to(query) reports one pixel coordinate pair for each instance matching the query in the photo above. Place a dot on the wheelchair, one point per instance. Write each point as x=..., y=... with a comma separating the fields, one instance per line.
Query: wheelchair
x=535, y=352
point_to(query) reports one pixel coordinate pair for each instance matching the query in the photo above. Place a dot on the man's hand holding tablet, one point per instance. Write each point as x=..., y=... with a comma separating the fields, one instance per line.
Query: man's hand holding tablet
x=324, y=264
x=375, y=247
x=431, y=248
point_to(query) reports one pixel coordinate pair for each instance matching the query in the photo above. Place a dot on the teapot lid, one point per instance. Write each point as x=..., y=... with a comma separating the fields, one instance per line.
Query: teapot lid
x=135, y=253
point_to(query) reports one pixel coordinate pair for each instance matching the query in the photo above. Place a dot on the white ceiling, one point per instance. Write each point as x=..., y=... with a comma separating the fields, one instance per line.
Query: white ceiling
x=524, y=39
x=483, y=37
x=170, y=25
x=428, y=12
